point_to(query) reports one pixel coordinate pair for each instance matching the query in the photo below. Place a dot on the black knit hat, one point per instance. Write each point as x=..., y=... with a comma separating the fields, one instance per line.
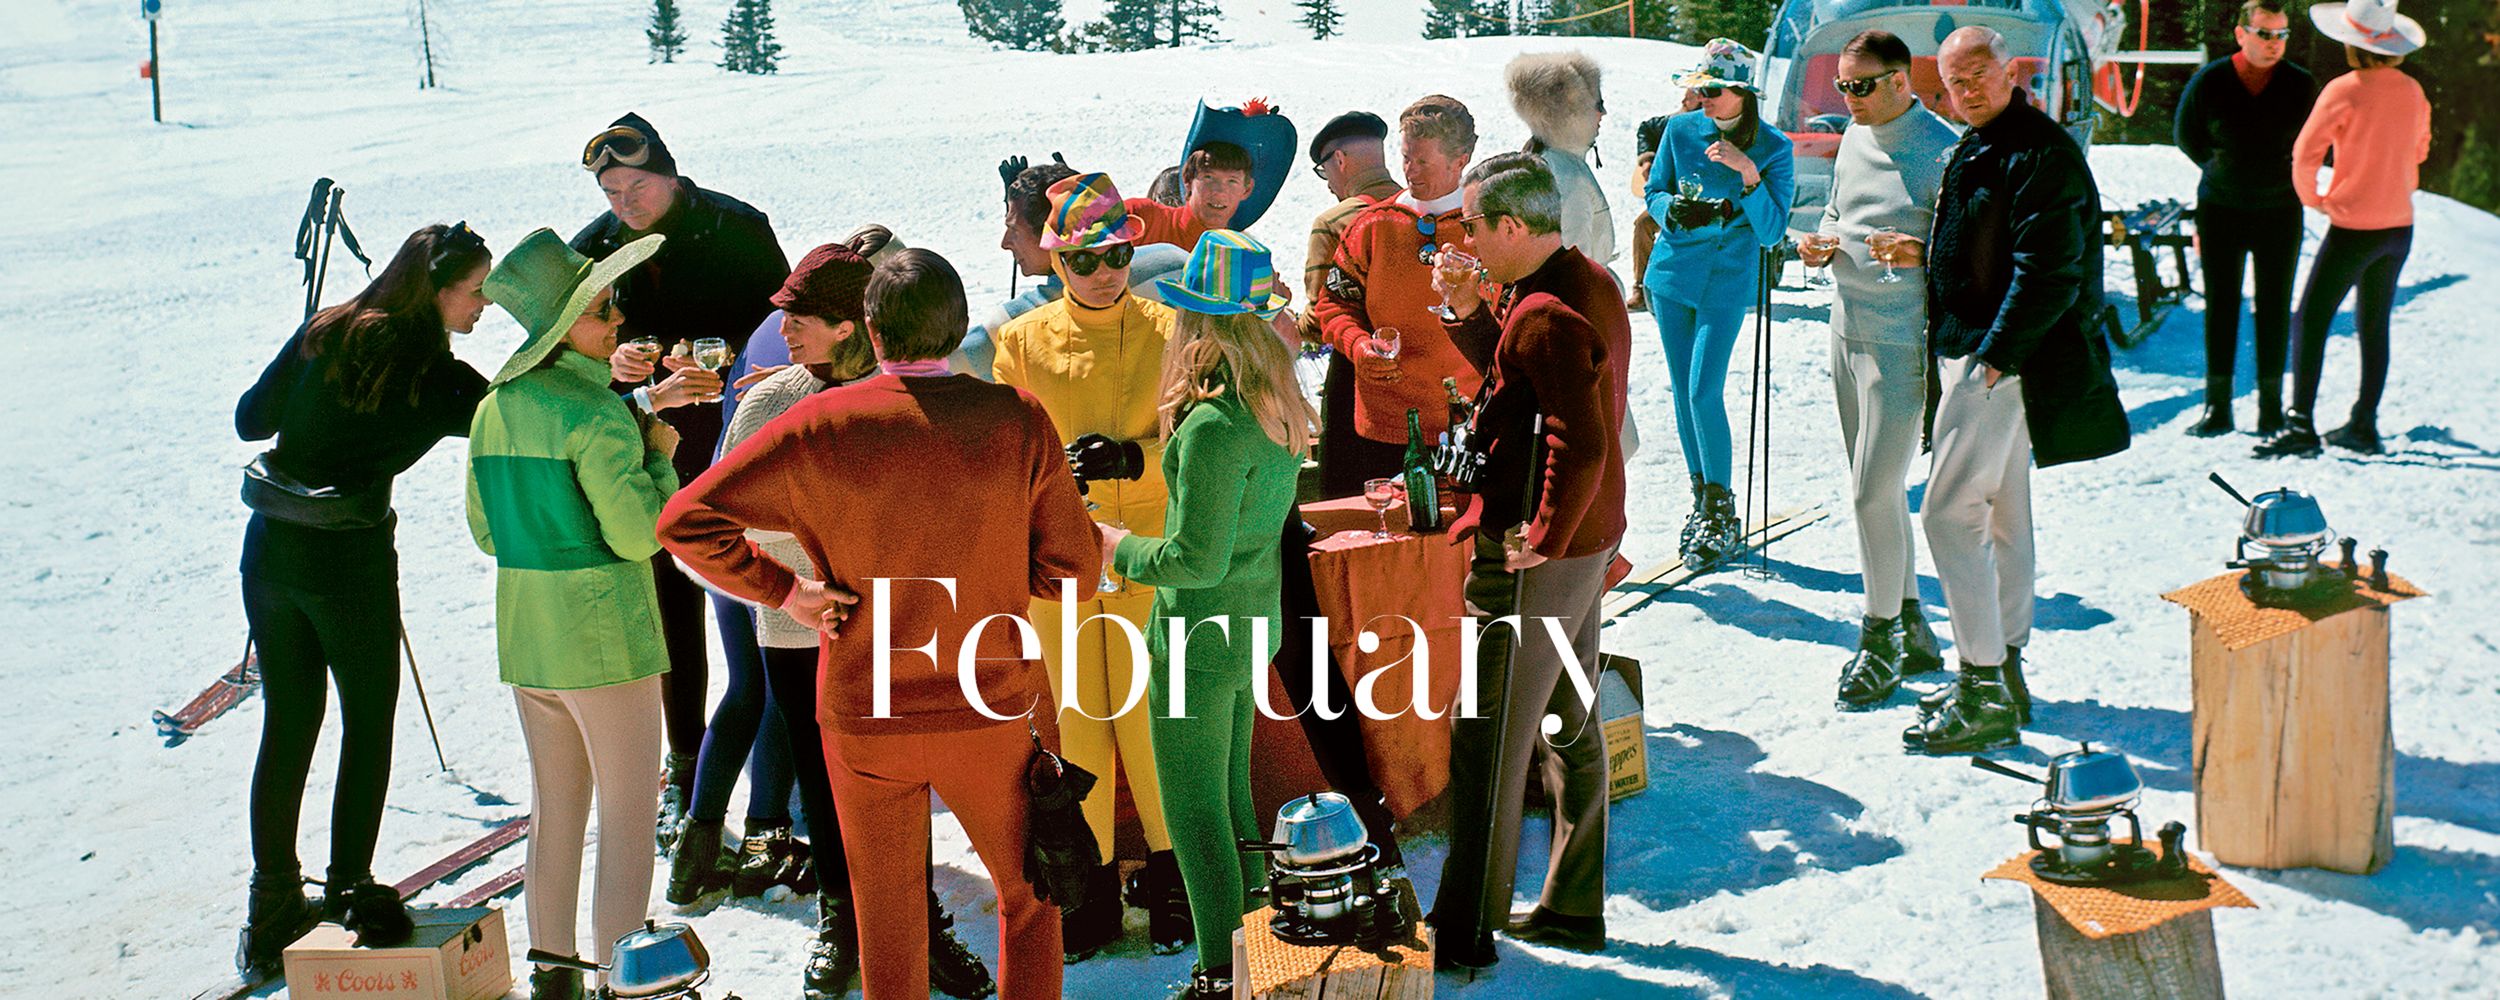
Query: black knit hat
x=629, y=142
x=1347, y=126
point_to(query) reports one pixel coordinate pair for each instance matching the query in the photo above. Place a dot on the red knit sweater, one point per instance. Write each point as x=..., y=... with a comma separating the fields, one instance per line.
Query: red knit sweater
x=895, y=477
x=1565, y=352
x=1379, y=254
x=1173, y=224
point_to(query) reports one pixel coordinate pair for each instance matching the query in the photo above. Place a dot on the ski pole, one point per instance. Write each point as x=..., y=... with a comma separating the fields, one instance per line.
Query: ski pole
x=421, y=702
x=1510, y=653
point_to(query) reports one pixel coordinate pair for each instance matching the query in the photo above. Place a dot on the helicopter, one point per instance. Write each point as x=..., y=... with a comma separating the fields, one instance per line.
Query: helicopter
x=2069, y=58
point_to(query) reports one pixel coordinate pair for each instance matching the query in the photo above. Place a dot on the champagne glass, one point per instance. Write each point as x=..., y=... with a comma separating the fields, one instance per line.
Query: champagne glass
x=1107, y=584
x=1820, y=277
x=714, y=355
x=649, y=347
x=1455, y=265
x=1690, y=187
x=1385, y=342
x=1882, y=243
x=1382, y=494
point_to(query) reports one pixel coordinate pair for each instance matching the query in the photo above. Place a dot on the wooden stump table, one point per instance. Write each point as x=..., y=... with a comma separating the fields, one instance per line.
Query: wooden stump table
x=2151, y=939
x=1266, y=967
x=2294, y=758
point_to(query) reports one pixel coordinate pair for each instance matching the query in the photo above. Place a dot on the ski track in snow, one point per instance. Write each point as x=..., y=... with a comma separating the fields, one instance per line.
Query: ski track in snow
x=1783, y=850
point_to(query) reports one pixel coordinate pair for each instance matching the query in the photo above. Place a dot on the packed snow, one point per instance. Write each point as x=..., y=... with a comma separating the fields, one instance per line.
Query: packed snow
x=1783, y=849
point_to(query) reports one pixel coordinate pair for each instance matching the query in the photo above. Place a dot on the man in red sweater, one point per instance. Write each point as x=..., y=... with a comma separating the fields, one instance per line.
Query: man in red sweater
x=1217, y=178
x=854, y=473
x=1382, y=280
x=1565, y=343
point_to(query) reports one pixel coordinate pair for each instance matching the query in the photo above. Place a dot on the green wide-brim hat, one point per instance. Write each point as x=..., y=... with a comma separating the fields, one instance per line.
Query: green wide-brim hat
x=545, y=285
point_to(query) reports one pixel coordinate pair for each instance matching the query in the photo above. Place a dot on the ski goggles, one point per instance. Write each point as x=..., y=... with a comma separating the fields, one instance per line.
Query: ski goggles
x=2270, y=34
x=1085, y=262
x=1860, y=86
x=622, y=146
x=457, y=242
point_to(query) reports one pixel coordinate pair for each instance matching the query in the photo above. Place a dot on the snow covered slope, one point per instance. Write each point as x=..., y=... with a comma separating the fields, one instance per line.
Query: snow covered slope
x=1783, y=850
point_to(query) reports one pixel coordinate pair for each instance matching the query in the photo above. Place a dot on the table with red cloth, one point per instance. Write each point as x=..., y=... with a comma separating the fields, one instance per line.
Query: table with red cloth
x=1364, y=583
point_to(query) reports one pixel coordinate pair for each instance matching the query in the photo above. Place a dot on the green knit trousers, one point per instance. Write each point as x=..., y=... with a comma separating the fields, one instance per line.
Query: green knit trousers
x=1204, y=761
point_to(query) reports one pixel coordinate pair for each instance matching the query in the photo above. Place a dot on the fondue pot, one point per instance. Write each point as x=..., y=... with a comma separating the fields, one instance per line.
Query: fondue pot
x=2086, y=792
x=2281, y=539
x=1323, y=875
x=654, y=961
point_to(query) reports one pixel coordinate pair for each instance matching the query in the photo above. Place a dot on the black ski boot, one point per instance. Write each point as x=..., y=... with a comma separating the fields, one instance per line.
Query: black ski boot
x=833, y=956
x=1157, y=889
x=1688, y=543
x=2269, y=406
x=1871, y=676
x=2298, y=440
x=2217, y=419
x=676, y=793
x=2360, y=435
x=1726, y=531
x=277, y=913
x=1560, y=930
x=556, y=984
x=373, y=911
x=1919, y=653
x=2012, y=670
x=953, y=969
x=697, y=868
x=1094, y=924
x=1980, y=717
x=1206, y=984
x=770, y=857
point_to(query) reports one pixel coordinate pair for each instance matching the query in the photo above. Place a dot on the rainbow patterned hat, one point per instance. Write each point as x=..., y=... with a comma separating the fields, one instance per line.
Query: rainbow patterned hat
x=1086, y=212
x=1228, y=273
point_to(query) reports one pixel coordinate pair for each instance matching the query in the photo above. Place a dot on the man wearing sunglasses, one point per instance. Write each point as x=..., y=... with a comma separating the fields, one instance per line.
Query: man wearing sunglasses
x=2237, y=119
x=715, y=277
x=1381, y=279
x=1885, y=177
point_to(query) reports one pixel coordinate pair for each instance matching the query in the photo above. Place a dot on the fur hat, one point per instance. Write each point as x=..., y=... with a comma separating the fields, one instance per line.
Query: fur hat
x=1553, y=92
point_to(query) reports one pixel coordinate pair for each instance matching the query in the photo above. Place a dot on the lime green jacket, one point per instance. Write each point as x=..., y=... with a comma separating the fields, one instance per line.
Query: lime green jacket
x=566, y=496
x=1232, y=489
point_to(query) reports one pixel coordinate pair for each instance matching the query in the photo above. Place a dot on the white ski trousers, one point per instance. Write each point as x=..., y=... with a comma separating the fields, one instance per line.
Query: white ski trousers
x=602, y=740
x=1978, y=510
x=1881, y=391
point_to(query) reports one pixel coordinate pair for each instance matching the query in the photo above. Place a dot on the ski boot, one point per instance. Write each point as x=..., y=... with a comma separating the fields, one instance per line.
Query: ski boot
x=374, y=911
x=2360, y=434
x=1094, y=924
x=2011, y=669
x=1871, y=676
x=1206, y=984
x=833, y=956
x=557, y=984
x=1919, y=654
x=1980, y=717
x=770, y=857
x=1723, y=532
x=676, y=793
x=277, y=913
x=2269, y=406
x=2298, y=440
x=1454, y=955
x=953, y=969
x=2217, y=419
x=1157, y=889
x=697, y=869
x=1688, y=542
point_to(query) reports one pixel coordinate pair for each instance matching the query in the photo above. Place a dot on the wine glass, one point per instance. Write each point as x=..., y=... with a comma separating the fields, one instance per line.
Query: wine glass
x=1385, y=342
x=1107, y=584
x=1882, y=242
x=1454, y=265
x=715, y=355
x=1690, y=187
x=1819, y=277
x=649, y=347
x=1382, y=494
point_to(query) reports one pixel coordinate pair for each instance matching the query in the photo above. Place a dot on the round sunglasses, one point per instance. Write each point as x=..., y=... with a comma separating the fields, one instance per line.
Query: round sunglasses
x=1085, y=262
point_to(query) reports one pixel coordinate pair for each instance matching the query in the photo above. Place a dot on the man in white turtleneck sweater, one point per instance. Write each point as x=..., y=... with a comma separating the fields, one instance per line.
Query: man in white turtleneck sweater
x=1890, y=166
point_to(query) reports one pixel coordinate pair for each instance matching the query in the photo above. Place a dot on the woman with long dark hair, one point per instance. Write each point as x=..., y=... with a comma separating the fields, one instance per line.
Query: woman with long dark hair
x=1720, y=189
x=356, y=396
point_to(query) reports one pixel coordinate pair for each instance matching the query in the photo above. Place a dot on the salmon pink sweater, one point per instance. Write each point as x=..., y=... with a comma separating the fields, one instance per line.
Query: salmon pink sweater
x=2379, y=125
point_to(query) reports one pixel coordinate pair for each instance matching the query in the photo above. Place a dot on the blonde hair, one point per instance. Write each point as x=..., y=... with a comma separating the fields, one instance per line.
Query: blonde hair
x=1210, y=356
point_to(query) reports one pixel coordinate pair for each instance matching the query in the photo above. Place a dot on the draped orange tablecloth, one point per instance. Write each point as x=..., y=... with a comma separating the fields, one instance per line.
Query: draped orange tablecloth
x=1367, y=583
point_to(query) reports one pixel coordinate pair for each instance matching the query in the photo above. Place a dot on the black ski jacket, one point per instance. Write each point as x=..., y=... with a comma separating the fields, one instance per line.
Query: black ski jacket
x=2014, y=276
x=2243, y=141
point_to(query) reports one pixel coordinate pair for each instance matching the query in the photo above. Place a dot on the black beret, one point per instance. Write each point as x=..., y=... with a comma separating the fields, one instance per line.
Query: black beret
x=1346, y=126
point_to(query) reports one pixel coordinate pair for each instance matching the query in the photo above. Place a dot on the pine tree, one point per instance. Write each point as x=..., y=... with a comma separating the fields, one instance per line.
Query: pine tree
x=1029, y=25
x=1131, y=25
x=1466, y=18
x=667, y=37
x=1321, y=17
x=1745, y=21
x=746, y=38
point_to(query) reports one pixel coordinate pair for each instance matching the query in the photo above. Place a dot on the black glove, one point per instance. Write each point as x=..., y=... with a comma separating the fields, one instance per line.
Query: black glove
x=1095, y=457
x=1009, y=168
x=1694, y=213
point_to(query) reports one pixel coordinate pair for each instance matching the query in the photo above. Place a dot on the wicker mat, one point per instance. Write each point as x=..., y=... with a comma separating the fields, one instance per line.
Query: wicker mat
x=2106, y=911
x=2242, y=623
x=1273, y=964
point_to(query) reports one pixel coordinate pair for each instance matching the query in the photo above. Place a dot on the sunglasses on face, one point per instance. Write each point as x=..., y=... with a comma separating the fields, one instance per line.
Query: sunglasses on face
x=1085, y=262
x=1709, y=93
x=1319, y=168
x=1861, y=86
x=606, y=313
x=1473, y=224
x=622, y=146
x=2270, y=34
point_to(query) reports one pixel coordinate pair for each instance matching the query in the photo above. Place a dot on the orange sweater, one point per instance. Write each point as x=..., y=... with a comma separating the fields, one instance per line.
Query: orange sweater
x=2379, y=125
x=1173, y=224
x=1390, y=286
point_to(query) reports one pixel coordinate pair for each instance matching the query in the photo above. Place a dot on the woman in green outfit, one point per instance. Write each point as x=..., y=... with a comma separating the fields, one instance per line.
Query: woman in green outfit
x=1236, y=432
x=566, y=482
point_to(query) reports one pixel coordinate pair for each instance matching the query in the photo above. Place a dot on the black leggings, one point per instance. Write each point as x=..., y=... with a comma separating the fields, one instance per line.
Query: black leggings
x=790, y=674
x=2228, y=237
x=2371, y=259
x=688, y=680
x=1346, y=458
x=305, y=638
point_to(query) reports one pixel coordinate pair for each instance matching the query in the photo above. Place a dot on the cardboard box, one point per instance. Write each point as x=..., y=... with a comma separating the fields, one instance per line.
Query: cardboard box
x=1619, y=717
x=455, y=954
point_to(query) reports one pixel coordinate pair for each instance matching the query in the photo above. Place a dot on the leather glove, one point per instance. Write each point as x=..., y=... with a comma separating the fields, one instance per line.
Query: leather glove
x=1692, y=213
x=1095, y=457
x=1009, y=168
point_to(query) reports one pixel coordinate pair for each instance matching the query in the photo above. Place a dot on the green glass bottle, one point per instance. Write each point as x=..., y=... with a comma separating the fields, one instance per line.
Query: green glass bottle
x=1423, y=492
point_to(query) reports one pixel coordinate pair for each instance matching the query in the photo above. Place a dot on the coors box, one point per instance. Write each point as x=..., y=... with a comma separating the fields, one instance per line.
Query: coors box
x=1619, y=717
x=455, y=954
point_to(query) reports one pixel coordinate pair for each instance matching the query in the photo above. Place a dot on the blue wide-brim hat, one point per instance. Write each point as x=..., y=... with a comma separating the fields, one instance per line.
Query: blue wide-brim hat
x=1261, y=131
x=1228, y=274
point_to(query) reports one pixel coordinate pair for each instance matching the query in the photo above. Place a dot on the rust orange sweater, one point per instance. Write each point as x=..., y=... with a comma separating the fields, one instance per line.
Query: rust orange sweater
x=896, y=477
x=2379, y=125
x=1385, y=283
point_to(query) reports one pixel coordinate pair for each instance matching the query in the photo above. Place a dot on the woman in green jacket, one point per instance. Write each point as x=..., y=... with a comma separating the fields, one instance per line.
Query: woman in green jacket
x=566, y=482
x=1236, y=430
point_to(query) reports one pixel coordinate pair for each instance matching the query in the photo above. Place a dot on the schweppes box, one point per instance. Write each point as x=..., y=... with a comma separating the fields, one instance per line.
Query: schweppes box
x=1619, y=716
x=455, y=954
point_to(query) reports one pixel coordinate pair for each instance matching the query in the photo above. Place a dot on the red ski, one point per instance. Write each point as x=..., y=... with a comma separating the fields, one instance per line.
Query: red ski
x=228, y=691
x=493, y=888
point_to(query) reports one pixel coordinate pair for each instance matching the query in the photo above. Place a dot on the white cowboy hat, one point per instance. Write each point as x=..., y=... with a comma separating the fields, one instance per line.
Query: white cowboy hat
x=2369, y=24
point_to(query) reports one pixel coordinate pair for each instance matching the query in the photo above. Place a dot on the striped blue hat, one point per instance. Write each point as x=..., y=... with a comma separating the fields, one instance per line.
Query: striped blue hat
x=1228, y=273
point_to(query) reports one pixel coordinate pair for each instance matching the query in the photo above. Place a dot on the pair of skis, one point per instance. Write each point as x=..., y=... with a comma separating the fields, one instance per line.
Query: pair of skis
x=469, y=856
x=1647, y=585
